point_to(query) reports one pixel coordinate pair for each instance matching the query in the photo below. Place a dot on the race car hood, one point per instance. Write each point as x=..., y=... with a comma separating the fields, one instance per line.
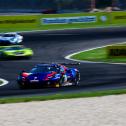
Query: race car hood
x=41, y=76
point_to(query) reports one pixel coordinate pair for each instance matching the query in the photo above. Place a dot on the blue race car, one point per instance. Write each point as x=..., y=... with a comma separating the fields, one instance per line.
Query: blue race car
x=49, y=75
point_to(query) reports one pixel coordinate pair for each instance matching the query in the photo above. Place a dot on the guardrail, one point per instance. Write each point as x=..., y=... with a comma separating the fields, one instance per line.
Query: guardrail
x=9, y=23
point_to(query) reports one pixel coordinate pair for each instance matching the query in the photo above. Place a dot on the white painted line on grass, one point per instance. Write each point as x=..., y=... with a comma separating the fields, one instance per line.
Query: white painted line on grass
x=4, y=82
x=84, y=61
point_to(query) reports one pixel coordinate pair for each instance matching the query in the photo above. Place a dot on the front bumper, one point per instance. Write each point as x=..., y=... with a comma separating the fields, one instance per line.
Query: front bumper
x=35, y=83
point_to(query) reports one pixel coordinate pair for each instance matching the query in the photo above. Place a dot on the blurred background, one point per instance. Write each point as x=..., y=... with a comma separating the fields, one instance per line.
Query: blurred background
x=61, y=6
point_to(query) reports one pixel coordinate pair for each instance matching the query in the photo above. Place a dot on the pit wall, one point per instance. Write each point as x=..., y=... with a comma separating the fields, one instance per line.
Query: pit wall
x=10, y=23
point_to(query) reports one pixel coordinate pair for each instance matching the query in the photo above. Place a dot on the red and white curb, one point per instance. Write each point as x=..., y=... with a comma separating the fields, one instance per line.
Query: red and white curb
x=4, y=82
x=84, y=61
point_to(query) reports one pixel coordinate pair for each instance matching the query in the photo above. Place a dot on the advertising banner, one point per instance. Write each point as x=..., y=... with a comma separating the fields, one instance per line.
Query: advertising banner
x=69, y=20
x=18, y=21
x=116, y=51
x=76, y=20
x=118, y=18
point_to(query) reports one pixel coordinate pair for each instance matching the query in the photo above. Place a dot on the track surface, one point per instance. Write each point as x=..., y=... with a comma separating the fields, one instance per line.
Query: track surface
x=53, y=46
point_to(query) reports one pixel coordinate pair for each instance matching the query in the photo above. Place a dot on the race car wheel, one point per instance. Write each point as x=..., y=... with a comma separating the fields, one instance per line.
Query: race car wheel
x=57, y=85
x=76, y=79
x=59, y=82
x=3, y=56
x=23, y=86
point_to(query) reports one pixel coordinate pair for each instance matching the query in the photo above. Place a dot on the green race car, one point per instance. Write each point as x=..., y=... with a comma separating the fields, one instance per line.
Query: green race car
x=15, y=51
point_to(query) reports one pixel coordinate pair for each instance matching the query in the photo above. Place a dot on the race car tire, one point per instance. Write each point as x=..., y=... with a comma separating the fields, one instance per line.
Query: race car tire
x=60, y=82
x=57, y=85
x=3, y=55
x=76, y=79
x=23, y=86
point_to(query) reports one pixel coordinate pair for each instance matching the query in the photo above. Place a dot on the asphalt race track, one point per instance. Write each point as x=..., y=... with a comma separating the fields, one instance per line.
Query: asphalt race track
x=53, y=46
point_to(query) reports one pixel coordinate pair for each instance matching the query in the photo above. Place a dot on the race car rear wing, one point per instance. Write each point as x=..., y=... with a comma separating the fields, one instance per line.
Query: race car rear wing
x=70, y=63
x=75, y=63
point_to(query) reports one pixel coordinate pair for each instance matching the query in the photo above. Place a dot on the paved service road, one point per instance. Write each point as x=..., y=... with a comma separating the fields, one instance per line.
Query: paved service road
x=53, y=46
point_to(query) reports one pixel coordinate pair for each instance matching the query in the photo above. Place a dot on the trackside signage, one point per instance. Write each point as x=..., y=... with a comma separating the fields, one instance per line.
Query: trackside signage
x=18, y=21
x=69, y=20
x=116, y=51
x=118, y=18
x=74, y=20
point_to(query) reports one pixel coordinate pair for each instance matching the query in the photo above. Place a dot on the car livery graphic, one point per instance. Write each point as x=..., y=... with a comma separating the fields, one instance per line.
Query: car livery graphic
x=49, y=75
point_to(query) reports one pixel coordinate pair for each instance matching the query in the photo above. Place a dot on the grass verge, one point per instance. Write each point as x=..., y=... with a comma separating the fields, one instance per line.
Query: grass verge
x=1, y=82
x=62, y=27
x=98, y=55
x=63, y=96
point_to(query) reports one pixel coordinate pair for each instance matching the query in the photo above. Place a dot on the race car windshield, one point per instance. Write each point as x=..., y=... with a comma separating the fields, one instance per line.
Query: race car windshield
x=8, y=35
x=14, y=48
x=44, y=69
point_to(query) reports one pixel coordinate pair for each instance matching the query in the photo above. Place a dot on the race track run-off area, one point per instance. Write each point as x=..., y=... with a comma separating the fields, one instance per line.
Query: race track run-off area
x=53, y=46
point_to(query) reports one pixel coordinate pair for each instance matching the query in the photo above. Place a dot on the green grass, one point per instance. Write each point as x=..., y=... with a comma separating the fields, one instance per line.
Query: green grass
x=57, y=27
x=98, y=55
x=1, y=82
x=53, y=27
x=63, y=96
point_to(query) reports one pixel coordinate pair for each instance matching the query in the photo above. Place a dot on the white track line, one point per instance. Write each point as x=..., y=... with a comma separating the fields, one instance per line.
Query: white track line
x=69, y=56
x=4, y=82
